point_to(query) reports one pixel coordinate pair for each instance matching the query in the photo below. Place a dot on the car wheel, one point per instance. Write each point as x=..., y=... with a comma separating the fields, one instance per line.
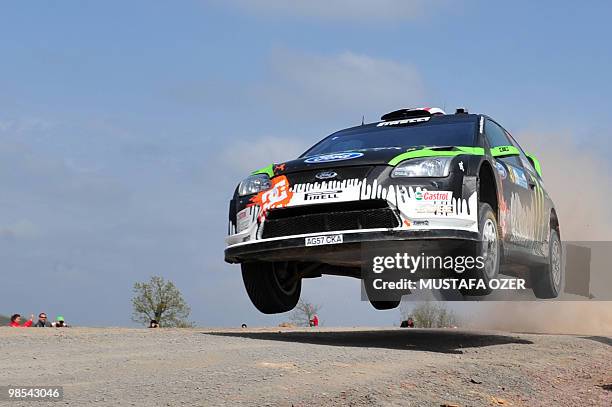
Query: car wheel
x=547, y=281
x=272, y=287
x=489, y=249
x=385, y=305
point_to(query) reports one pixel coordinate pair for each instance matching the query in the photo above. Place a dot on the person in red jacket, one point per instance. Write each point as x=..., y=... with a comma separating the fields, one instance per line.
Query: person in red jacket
x=16, y=321
x=314, y=321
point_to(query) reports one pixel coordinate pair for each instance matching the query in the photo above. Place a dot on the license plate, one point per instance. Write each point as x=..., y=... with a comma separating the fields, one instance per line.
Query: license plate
x=323, y=240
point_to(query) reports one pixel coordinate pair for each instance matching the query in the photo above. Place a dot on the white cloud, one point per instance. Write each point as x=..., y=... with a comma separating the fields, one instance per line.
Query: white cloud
x=365, y=10
x=313, y=85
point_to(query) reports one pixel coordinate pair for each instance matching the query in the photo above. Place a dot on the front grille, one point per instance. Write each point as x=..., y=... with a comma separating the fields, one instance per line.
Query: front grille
x=302, y=177
x=329, y=218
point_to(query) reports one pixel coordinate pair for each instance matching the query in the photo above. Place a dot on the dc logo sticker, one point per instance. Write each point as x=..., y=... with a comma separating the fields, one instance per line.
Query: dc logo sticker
x=325, y=158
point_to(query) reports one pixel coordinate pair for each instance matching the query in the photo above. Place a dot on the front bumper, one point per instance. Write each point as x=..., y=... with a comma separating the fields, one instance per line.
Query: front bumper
x=350, y=251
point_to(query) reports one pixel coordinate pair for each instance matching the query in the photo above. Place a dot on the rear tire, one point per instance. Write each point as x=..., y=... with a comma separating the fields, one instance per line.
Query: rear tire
x=272, y=287
x=547, y=281
x=489, y=249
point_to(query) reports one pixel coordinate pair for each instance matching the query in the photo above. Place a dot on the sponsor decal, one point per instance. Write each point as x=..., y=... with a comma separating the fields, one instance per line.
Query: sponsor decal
x=320, y=195
x=276, y=197
x=326, y=158
x=402, y=121
x=323, y=240
x=433, y=196
x=461, y=166
x=243, y=219
x=408, y=223
x=326, y=175
x=435, y=208
x=279, y=168
x=518, y=177
x=501, y=170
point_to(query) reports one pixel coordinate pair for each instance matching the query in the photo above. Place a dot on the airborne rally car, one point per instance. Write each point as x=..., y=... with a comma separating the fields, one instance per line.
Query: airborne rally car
x=418, y=177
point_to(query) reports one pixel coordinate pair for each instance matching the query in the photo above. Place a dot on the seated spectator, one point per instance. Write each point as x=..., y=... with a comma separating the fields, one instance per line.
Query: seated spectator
x=59, y=322
x=153, y=324
x=42, y=321
x=16, y=321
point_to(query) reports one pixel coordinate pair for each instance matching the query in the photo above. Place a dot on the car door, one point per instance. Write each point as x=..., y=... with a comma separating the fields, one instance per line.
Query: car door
x=538, y=215
x=515, y=197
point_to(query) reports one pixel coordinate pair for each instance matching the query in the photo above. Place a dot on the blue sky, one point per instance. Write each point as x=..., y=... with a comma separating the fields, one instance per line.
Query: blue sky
x=125, y=126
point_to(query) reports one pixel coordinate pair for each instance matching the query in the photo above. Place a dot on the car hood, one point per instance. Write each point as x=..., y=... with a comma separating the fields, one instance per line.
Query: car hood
x=374, y=156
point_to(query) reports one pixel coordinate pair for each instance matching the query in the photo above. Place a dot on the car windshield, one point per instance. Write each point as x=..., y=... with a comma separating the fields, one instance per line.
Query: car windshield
x=426, y=134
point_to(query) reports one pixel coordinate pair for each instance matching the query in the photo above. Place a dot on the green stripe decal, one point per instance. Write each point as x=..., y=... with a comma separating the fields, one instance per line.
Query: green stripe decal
x=427, y=152
x=536, y=163
x=265, y=170
x=504, y=151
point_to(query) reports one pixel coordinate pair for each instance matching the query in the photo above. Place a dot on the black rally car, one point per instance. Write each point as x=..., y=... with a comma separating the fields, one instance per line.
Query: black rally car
x=418, y=175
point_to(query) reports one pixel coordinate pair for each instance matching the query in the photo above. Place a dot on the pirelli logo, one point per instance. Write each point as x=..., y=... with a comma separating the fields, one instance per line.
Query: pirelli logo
x=322, y=195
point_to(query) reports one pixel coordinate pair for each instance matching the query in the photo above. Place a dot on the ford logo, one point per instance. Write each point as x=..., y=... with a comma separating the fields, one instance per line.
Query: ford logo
x=326, y=175
x=326, y=158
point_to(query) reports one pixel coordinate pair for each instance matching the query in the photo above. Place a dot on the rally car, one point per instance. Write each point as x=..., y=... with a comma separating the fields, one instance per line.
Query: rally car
x=417, y=176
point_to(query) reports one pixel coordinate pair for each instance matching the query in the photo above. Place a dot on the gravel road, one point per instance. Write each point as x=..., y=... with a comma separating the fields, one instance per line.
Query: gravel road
x=360, y=366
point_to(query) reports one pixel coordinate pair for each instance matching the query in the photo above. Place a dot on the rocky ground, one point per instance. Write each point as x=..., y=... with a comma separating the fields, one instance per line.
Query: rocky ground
x=391, y=367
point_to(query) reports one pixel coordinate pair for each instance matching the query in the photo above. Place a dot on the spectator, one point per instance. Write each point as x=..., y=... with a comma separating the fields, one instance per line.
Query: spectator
x=59, y=322
x=16, y=321
x=42, y=321
x=153, y=324
x=409, y=323
x=314, y=321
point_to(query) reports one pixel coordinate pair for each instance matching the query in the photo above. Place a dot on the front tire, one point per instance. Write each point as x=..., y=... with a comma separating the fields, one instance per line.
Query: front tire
x=385, y=305
x=272, y=287
x=490, y=250
x=547, y=281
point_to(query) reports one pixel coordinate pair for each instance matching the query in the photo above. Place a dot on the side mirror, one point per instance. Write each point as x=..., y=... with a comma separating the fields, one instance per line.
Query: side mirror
x=536, y=164
x=505, y=151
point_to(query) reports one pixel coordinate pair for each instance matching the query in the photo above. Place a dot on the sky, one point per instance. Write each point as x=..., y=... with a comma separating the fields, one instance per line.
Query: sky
x=125, y=126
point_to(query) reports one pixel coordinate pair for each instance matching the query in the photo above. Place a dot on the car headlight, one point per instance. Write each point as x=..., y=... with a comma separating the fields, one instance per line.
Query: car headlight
x=254, y=184
x=423, y=167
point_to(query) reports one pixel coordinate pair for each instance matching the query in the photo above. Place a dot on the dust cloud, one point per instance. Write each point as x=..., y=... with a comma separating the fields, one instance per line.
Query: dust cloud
x=579, y=182
x=563, y=317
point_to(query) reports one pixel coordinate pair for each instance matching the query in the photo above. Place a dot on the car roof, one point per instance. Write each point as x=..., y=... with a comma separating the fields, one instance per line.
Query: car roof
x=432, y=120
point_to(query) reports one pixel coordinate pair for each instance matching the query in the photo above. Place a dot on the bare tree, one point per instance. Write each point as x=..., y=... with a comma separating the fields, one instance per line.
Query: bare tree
x=303, y=313
x=160, y=300
x=427, y=314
